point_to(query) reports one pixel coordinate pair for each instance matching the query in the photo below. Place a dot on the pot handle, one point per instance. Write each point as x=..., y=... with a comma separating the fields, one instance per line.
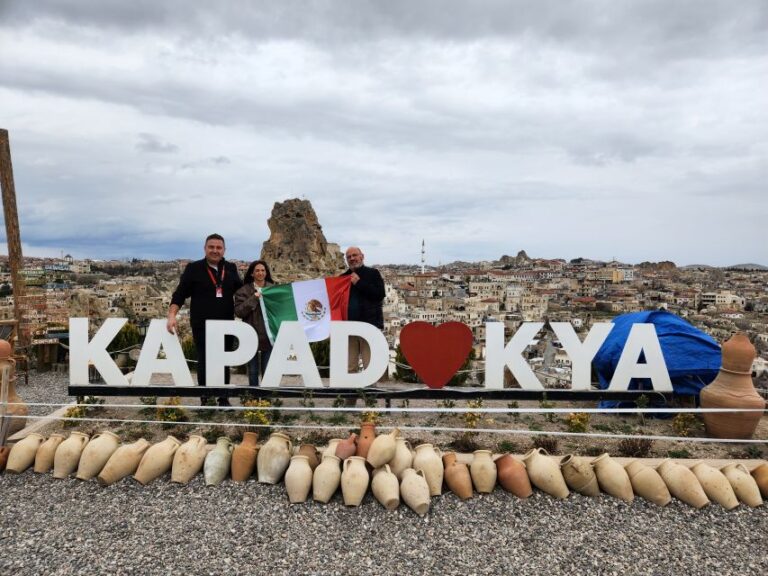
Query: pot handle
x=345, y=465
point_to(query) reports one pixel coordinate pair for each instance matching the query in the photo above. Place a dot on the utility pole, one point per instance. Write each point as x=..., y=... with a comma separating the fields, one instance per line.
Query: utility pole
x=12, y=233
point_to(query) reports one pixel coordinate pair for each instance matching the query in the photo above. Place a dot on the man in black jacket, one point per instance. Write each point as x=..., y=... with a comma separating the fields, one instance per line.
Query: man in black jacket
x=365, y=304
x=210, y=284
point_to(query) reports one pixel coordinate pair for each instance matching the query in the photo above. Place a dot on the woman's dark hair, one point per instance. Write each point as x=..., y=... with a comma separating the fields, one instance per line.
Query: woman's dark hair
x=249, y=273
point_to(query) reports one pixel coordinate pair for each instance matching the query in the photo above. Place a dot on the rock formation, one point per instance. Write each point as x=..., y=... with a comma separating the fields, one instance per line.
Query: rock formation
x=296, y=248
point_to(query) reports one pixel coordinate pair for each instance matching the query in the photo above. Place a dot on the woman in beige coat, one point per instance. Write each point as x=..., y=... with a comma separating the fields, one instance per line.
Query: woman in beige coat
x=248, y=307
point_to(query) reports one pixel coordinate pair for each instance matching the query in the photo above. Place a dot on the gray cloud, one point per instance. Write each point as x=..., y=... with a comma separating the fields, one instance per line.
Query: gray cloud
x=594, y=129
x=152, y=144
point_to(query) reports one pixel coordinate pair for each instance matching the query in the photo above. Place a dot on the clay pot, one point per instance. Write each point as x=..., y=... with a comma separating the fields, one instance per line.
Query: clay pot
x=385, y=487
x=403, y=457
x=612, y=478
x=428, y=458
x=157, y=460
x=579, y=475
x=68, y=454
x=4, y=453
x=311, y=453
x=715, y=485
x=733, y=388
x=298, y=479
x=414, y=491
x=367, y=436
x=22, y=454
x=331, y=448
x=17, y=408
x=218, y=462
x=96, y=454
x=326, y=478
x=544, y=473
x=483, y=471
x=457, y=476
x=382, y=449
x=123, y=462
x=347, y=447
x=46, y=452
x=189, y=459
x=760, y=474
x=354, y=480
x=743, y=484
x=647, y=483
x=512, y=476
x=273, y=458
x=244, y=457
x=682, y=483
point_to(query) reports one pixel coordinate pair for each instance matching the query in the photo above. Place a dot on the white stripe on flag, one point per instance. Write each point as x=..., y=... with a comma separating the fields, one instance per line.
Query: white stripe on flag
x=313, y=308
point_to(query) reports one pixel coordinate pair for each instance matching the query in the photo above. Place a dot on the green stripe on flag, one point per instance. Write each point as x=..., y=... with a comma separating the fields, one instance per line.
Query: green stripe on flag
x=277, y=306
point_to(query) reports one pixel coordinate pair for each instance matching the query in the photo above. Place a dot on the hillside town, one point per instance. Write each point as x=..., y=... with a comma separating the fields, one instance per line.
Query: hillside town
x=512, y=290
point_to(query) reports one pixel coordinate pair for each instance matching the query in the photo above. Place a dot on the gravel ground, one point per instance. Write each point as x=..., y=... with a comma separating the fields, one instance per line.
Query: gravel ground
x=50, y=387
x=71, y=527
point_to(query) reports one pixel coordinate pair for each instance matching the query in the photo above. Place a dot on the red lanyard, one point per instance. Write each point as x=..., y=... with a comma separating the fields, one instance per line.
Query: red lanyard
x=223, y=274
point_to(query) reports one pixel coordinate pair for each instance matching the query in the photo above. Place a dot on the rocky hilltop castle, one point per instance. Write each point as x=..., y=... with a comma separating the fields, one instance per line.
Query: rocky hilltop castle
x=297, y=248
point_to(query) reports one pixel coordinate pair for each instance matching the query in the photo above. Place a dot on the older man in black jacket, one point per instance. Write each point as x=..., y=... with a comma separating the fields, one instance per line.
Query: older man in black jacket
x=365, y=304
x=210, y=284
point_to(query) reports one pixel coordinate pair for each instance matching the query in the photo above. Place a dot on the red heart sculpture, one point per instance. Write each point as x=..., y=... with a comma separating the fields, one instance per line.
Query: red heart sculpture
x=436, y=352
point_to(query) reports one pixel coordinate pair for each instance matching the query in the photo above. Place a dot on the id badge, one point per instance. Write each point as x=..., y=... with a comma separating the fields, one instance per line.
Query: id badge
x=219, y=293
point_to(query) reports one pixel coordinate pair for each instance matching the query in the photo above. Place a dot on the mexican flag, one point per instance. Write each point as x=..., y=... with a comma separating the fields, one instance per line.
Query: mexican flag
x=314, y=303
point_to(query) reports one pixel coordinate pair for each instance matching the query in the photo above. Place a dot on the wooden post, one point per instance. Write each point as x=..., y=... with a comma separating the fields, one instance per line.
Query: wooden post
x=12, y=233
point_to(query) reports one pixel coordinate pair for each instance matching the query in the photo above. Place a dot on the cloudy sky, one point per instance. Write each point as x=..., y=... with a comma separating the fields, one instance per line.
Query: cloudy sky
x=603, y=129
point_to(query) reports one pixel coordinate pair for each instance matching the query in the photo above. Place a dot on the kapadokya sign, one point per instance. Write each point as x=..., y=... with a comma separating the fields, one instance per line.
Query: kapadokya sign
x=291, y=354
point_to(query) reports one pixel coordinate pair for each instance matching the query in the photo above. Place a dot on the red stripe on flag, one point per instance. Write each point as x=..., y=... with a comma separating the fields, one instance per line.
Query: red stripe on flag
x=338, y=295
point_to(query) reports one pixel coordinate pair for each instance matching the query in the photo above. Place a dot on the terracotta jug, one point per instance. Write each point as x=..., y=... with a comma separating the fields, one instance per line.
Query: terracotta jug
x=5, y=451
x=157, y=460
x=544, y=473
x=612, y=478
x=46, y=452
x=298, y=479
x=244, y=457
x=189, y=459
x=326, y=478
x=760, y=474
x=273, y=458
x=367, y=436
x=17, y=408
x=331, y=448
x=22, y=454
x=715, y=485
x=579, y=475
x=311, y=453
x=414, y=491
x=347, y=447
x=743, y=485
x=68, y=454
x=123, y=462
x=457, y=476
x=513, y=477
x=385, y=487
x=733, y=388
x=382, y=449
x=403, y=457
x=428, y=458
x=218, y=462
x=354, y=480
x=96, y=454
x=682, y=483
x=483, y=471
x=647, y=483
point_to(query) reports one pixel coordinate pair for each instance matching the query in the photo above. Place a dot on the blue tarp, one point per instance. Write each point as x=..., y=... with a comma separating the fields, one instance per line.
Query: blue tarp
x=693, y=358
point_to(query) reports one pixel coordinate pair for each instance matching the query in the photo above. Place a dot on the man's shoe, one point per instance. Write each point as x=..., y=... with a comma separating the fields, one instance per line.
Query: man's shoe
x=224, y=402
